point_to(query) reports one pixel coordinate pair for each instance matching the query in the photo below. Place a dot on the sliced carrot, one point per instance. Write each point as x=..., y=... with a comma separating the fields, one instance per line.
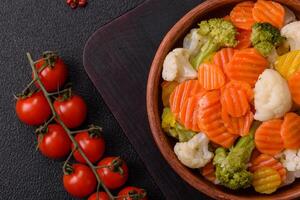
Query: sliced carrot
x=241, y=15
x=210, y=76
x=268, y=138
x=182, y=92
x=210, y=120
x=235, y=101
x=208, y=172
x=222, y=57
x=290, y=131
x=237, y=125
x=241, y=85
x=188, y=113
x=246, y=65
x=264, y=160
x=294, y=85
x=243, y=39
x=269, y=11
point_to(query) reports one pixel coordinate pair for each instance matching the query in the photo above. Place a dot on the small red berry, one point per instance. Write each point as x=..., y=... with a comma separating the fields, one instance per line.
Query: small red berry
x=82, y=3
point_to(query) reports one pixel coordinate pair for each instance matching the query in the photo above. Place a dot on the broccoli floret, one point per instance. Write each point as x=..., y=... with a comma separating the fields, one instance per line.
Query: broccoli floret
x=220, y=33
x=265, y=38
x=231, y=167
x=173, y=128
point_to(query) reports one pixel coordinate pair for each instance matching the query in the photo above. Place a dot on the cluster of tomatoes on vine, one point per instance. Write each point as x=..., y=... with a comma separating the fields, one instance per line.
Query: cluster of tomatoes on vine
x=58, y=112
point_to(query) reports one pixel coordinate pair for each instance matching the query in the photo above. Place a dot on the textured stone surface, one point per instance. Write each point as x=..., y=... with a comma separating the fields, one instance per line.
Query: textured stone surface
x=35, y=26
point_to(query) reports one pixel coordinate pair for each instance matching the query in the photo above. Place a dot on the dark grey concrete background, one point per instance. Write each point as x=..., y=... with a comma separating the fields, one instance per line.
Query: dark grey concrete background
x=36, y=26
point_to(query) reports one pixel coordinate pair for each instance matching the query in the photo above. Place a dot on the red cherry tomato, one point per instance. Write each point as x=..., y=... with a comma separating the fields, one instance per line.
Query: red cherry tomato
x=55, y=143
x=114, y=173
x=132, y=193
x=92, y=146
x=102, y=196
x=81, y=182
x=53, y=77
x=33, y=110
x=71, y=111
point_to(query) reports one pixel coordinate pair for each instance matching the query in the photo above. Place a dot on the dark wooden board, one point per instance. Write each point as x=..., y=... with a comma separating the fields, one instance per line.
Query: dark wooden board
x=117, y=58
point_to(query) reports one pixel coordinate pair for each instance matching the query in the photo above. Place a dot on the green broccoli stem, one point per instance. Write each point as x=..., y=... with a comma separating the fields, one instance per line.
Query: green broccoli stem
x=246, y=140
x=208, y=48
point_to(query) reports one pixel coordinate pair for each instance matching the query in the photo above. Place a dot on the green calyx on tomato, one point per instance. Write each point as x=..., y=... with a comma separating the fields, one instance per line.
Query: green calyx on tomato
x=116, y=166
x=95, y=131
x=50, y=58
x=134, y=195
x=68, y=169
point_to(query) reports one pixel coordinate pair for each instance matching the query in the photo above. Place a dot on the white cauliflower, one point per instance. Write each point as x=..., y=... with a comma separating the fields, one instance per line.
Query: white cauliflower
x=272, y=97
x=272, y=57
x=292, y=33
x=177, y=66
x=194, y=41
x=289, y=16
x=291, y=160
x=194, y=153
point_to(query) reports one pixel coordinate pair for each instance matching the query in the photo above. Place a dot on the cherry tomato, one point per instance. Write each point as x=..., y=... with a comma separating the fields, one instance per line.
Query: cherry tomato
x=71, y=111
x=114, y=172
x=92, y=145
x=102, y=196
x=132, y=193
x=55, y=143
x=53, y=77
x=33, y=110
x=81, y=182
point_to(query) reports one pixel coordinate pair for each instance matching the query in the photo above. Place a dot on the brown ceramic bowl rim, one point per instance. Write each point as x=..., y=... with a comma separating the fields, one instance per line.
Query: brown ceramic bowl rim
x=176, y=32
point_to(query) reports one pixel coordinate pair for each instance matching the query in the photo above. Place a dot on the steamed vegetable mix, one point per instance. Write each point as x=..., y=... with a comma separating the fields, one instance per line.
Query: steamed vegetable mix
x=231, y=97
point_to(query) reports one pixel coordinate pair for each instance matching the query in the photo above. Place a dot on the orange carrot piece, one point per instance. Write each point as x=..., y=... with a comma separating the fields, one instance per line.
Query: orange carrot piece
x=294, y=85
x=243, y=38
x=208, y=172
x=235, y=101
x=241, y=85
x=268, y=138
x=210, y=120
x=188, y=113
x=246, y=65
x=182, y=92
x=264, y=160
x=290, y=131
x=222, y=57
x=270, y=12
x=237, y=125
x=241, y=15
x=210, y=76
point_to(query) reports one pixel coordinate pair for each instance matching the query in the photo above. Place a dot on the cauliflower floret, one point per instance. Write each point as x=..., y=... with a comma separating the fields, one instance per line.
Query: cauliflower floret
x=292, y=33
x=272, y=57
x=194, y=153
x=177, y=66
x=291, y=160
x=194, y=41
x=289, y=16
x=272, y=97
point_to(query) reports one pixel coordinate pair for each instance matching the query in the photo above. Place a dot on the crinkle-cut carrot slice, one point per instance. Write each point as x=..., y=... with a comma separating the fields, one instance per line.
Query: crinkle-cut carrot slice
x=167, y=89
x=182, y=92
x=241, y=15
x=210, y=120
x=266, y=180
x=222, y=57
x=237, y=125
x=269, y=11
x=290, y=131
x=243, y=38
x=210, y=76
x=264, y=160
x=246, y=65
x=294, y=85
x=208, y=172
x=235, y=101
x=241, y=85
x=268, y=137
x=188, y=113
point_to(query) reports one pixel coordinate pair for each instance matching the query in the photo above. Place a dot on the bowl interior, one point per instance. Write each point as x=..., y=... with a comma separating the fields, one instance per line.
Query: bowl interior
x=206, y=10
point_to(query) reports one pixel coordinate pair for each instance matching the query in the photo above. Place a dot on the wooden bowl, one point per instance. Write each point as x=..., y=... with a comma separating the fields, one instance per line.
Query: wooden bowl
x=173, y=39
